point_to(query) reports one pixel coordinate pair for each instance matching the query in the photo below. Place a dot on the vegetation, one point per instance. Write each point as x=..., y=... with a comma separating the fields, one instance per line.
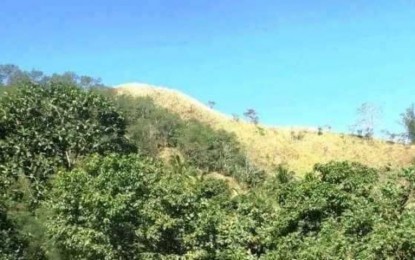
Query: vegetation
x=12, y=243
x=81, y=178
x=408, y=119
x=153, y=129
x=12, y=76
x=133, y=208
x=277, y=145
x=252, y=116
x=44, y=127
x=368, y=117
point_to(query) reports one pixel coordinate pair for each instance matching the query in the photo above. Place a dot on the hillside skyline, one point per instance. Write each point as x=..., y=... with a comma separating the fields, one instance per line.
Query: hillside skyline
x=297, y=63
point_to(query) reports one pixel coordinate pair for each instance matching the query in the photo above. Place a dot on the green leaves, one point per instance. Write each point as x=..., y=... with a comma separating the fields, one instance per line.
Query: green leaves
x=126, y=206
x=50, y=126
x=63, y=151
x=342, y=211
x=408, y=120
x=152, y=128
x=12, y=243
x=131, y=207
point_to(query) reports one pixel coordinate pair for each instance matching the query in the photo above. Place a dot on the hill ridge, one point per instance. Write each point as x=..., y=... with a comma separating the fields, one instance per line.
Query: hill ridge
x=297, y=148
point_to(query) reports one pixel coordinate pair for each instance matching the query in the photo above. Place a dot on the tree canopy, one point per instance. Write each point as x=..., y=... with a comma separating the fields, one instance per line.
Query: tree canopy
x=44, y=127
x=131, y=207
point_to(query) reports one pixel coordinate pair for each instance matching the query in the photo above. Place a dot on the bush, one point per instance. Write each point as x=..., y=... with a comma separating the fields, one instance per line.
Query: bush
x=150, y=128
x=216, y=151
x=209, y=149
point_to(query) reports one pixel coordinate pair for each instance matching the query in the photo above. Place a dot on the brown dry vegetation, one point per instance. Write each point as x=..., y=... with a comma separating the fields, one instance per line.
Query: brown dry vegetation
x=298, y=149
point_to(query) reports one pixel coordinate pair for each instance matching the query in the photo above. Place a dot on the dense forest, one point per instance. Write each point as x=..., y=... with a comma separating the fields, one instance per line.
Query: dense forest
x=82, y=176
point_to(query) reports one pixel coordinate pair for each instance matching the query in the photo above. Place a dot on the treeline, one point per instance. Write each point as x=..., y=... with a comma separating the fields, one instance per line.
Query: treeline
x=81, y=178
x=12, y=76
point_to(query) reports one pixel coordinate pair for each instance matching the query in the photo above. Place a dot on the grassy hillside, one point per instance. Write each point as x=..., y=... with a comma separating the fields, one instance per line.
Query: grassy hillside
x=81, y=178
x=298, y=149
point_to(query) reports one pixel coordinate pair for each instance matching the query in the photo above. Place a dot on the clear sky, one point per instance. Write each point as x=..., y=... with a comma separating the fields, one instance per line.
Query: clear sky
x=297, y=62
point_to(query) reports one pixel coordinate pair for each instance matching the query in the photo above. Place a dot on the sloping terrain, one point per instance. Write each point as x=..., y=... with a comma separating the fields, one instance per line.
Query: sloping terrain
x=298, y=149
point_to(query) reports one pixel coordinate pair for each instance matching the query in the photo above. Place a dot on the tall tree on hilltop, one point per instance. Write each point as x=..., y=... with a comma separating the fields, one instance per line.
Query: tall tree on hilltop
x=408, y=120
x=252, y=116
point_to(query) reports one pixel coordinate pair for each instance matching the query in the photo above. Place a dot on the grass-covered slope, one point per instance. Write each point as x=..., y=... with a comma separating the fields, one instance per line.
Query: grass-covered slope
x=298, y=149
x=159, y=133
x=80, y=178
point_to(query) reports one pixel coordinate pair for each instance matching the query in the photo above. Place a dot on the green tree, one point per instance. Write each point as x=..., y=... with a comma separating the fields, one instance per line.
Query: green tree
x=368, y=118
x=130, y=207
x=408, y=120
x=252, y=115
x=149, y=127
x=12, y=243
x=44, y=127
x=11, y=75
x=341, y=211
x=216, y=151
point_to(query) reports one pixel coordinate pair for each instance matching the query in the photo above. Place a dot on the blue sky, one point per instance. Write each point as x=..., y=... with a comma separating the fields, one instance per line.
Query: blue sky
x=296, y=62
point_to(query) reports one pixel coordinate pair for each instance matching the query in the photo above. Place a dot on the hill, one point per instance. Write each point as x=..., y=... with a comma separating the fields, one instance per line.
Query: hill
x=81, y=179
x=298, y=149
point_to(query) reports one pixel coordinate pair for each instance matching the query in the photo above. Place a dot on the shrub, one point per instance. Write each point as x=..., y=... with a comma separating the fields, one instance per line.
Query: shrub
x=150, y=128
x=216, y=151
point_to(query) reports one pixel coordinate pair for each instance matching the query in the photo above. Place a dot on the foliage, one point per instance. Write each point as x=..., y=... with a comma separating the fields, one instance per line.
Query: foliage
x=252, y=115
x=46, y=122
x=12, y=76
x=128, y=207
x=131, y=208
x=338, y=212
x=408, y=120
x=211, y=104
x=12, y=243
x=149, y=127
x=216, y=151
x=152, y=128
x=368, y=117
x=105, y=202
x=44, y=127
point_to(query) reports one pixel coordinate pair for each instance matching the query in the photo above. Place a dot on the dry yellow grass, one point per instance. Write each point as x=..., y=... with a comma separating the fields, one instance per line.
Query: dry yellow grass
x=299, y=149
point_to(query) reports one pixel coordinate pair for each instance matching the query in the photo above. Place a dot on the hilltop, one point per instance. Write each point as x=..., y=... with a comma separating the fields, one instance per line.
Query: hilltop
x=298, y=149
